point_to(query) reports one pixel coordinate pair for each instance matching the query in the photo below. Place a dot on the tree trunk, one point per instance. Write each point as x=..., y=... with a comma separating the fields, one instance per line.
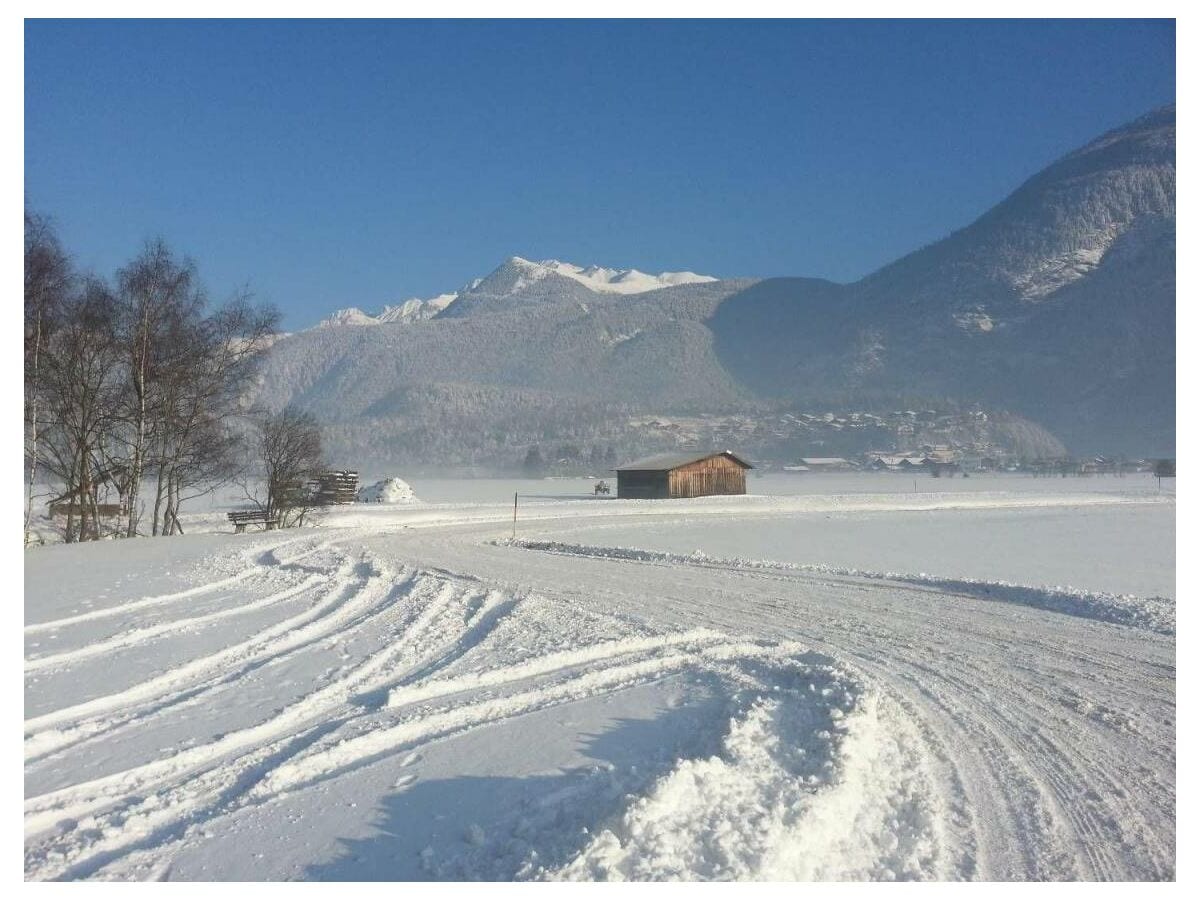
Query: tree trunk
x=72, y=481
x=169, y=521
x=33, y=433
x=84, y=486
x=136, y=464
x=159, y=491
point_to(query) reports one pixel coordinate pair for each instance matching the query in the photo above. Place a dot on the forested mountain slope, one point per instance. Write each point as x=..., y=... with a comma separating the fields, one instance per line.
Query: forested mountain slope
x=1058, y=303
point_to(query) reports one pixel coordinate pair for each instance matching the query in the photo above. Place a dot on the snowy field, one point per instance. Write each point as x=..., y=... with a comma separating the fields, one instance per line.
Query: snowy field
x=833, y=678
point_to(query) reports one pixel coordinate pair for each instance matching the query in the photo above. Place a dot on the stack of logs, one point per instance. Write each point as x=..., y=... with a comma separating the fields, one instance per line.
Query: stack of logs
x=332, y=488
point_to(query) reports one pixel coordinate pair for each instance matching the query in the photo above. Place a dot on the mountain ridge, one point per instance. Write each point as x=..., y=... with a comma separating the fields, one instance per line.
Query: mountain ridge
x=1055, y=307
x=512, y=277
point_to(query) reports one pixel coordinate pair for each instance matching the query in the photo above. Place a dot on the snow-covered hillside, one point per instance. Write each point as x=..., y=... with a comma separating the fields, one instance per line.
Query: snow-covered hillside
x=1058, y=304
x=1069, y=282
x=402, y=692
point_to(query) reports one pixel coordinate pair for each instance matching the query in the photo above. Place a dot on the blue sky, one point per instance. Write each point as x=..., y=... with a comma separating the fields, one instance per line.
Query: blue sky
x=357, y=163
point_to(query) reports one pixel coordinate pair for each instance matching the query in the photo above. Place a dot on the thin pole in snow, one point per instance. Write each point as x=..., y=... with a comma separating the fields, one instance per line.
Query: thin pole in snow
x=514, y=535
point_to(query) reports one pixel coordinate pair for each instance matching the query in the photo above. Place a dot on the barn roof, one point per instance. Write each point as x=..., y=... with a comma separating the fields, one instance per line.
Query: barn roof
x=665, y=461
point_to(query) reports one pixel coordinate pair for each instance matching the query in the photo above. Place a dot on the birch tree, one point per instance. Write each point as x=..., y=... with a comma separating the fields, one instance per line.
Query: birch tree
x=156, y=292
x=47, y=280
x=196, y=443
x=81, y=391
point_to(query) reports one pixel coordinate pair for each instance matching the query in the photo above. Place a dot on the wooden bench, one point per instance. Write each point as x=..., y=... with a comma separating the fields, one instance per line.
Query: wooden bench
x=251, y=517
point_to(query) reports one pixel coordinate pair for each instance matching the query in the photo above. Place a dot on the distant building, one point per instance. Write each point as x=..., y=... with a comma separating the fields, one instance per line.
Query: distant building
x=826, y=463
x=677, y=475
x=880, y=461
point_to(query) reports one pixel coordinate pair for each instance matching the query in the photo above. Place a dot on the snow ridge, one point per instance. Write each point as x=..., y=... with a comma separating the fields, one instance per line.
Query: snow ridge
x=1151, y=613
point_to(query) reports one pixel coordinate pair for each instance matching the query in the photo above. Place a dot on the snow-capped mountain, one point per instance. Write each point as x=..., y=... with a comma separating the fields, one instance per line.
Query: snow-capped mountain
x=610, y=281
x=515, y=276
x=412, y=310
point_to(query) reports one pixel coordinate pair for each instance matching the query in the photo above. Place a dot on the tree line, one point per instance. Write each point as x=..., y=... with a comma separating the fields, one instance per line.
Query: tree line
x=134, y=388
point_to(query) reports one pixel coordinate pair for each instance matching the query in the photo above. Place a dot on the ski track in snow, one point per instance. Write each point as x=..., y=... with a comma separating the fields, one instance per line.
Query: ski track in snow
x=876, y=726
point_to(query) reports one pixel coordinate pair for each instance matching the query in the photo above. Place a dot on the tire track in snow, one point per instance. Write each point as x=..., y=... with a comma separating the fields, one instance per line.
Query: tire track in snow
x=143, y=635
x=133, y=713
x=121, y=795
x=172, y=598
x=342, y=601
x=548, y=664
x=1071, y=772
x=1044, y=793
x=71, y=802
x=149, y=799
x=1079, y=777
x=1003, y=758
x=1024, y=772
x=422, y=727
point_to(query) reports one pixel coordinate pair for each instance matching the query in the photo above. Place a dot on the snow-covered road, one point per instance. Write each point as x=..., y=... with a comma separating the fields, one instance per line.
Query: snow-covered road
x=408, y=694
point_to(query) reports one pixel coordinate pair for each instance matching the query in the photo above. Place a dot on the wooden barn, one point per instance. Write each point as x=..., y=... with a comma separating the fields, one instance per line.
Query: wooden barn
x=674, y=475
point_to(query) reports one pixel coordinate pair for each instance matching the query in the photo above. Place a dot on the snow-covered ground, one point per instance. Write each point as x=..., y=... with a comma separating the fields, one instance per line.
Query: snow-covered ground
x=976, y=682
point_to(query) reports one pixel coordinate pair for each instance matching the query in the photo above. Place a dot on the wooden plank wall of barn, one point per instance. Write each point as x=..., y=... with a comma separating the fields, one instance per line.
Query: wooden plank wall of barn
x=717, y=475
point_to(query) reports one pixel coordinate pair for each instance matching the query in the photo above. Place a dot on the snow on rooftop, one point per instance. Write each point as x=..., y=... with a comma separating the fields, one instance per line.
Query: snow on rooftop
x=662, y=461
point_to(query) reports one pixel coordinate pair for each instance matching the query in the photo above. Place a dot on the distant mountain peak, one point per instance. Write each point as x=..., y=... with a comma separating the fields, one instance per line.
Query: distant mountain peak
x=513, y=276
x=412, y=310
x=518, y=272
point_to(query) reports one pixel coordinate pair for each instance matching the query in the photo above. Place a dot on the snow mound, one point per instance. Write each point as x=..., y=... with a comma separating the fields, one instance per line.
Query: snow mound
x=805, y=788
x=389, y=490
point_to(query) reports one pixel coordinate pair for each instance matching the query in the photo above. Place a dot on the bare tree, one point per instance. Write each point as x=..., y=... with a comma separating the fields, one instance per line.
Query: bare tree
x=198, y=447
x=288, y=447
x=133, y=383
x=186, y=373
x=201, y=388
x=81, y=394
x=47, y=281
x=157, y=294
